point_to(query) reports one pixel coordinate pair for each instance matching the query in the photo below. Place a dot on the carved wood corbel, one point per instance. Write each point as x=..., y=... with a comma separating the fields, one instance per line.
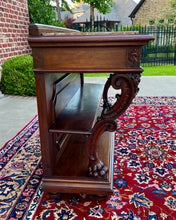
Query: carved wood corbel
x=128, y=84
x=96, y=166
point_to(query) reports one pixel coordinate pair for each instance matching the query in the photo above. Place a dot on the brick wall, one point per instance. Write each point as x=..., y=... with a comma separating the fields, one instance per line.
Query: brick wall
x=150, y=10
x=14, y=24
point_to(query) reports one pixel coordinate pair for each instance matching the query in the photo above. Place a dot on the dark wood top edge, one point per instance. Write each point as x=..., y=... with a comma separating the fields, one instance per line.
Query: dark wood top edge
x=130, y=70
x=92, y=38
x=72, y=33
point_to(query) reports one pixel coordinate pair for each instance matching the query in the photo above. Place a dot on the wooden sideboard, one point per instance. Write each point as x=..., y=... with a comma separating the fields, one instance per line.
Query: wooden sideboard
x=77, y=136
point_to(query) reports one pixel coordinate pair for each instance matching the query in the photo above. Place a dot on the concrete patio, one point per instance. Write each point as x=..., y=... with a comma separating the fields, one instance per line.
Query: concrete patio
x=16, y=111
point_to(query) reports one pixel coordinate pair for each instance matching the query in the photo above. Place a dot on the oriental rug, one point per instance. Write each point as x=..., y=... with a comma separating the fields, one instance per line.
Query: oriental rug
x=144, y=171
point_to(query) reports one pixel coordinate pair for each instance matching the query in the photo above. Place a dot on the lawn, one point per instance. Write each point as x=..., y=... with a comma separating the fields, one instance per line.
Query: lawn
x=168, y=70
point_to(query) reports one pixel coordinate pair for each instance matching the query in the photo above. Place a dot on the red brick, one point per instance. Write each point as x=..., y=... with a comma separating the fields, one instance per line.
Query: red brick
x=4, y=30
x=2, y=19
x=14, y=2
x=5, y=55
x=7, y=20
x=5, y=45
x=10, y=54
x=14, y=23
x=7, y=10
x=11, y=40
x=2, y=25
x=9, y=6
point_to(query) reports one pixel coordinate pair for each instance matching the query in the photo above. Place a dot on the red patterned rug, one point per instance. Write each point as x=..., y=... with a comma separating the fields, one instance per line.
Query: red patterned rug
x=144, y=171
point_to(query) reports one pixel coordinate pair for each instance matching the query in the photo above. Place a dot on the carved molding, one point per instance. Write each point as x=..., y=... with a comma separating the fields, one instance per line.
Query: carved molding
x=134, y=56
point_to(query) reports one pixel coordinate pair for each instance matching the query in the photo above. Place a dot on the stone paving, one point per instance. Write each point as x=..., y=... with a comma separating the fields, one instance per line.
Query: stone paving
x=16, y=111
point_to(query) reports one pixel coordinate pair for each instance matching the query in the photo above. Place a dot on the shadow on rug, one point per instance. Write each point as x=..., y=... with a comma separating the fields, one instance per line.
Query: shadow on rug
x=144, y=171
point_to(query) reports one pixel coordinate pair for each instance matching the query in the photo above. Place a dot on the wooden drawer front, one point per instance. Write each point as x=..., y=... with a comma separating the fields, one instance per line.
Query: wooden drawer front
x=87, y=59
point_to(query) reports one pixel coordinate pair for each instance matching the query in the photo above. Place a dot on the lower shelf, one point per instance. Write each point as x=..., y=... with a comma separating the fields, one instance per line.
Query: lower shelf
x=71, y=170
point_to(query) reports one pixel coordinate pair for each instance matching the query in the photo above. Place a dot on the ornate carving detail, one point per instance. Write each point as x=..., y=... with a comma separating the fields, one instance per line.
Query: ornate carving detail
x=133, y=56
x=128, y=83
x=96, y=166
x=136, y=78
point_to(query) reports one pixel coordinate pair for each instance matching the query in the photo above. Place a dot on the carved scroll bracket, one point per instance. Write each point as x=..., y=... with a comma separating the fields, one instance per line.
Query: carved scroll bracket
x=128, y=84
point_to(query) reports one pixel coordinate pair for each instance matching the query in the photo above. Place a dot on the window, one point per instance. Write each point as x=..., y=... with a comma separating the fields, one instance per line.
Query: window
x=151, y=22
x=161, y=21
x=171, y=21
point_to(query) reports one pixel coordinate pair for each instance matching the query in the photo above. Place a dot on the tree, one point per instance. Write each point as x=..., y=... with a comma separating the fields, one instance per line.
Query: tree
x=101, y=5
x=58, y=10
x=42, y=12
x=171, y=13
x=62, y=5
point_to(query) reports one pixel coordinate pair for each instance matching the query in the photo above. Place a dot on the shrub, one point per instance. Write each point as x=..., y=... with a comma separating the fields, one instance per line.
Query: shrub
x=18, y=76
x=68, y=21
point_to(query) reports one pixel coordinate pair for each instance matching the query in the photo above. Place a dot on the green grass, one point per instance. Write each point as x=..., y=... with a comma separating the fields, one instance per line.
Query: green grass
x=161, y=55
x=168, y=70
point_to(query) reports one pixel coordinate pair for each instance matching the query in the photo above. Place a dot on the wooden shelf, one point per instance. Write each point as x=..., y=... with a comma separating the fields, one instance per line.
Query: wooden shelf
x=80, y=114
x=70, y=171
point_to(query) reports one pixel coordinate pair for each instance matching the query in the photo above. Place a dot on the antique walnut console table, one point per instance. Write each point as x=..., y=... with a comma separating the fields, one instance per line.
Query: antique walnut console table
x=76, y=135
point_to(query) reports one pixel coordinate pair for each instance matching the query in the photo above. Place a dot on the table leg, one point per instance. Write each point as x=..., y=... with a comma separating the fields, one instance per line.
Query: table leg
x=128, y=84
